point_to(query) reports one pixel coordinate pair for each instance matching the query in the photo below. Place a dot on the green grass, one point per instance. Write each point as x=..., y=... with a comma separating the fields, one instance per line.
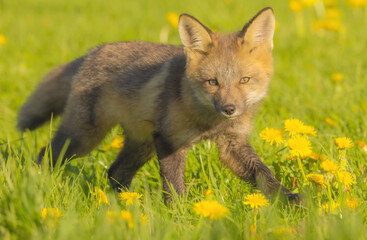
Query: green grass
x=43, y=34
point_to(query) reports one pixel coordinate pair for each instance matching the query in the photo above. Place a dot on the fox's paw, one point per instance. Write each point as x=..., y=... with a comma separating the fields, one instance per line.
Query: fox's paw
x=293, y=197
x=297, y=199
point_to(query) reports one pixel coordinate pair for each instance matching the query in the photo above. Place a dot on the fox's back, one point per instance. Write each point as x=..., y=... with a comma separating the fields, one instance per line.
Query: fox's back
x=125, y=80
x=130, y=64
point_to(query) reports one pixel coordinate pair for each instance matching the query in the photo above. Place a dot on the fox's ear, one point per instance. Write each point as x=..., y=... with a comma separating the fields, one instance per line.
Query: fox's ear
x=260, y=29
x=193, y=34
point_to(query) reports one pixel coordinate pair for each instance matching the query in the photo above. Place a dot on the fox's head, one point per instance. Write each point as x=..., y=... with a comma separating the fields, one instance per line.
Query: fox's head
x=229, y=72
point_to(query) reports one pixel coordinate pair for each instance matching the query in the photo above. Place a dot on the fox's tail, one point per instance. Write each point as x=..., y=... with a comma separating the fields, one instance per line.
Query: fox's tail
x=50, y=96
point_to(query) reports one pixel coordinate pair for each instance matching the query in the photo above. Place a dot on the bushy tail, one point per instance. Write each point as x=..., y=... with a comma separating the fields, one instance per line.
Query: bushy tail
x=50, y=96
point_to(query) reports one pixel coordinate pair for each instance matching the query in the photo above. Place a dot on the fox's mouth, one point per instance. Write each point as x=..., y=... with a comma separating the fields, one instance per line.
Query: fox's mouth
x=231, y=117
x=228, y=116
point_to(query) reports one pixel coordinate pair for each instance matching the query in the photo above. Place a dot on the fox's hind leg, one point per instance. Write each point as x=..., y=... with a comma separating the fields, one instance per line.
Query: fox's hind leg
x=82, y=128
x=133, y=156
x=66, y=144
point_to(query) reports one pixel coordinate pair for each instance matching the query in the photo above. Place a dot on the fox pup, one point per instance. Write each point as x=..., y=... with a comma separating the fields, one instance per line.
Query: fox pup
x=165, y=98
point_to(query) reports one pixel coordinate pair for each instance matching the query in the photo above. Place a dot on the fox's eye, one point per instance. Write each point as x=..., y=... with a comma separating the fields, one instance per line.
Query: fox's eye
x=244, y=80
x=213, y=82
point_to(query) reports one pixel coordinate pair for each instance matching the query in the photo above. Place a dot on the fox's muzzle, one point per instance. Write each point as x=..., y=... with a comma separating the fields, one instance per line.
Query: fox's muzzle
x=228, y=110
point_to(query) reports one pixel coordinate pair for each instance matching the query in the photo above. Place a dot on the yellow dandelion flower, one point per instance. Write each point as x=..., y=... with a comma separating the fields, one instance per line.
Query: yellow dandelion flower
x=144, y=218
x=253, y=229
x=51, y=215
x=210, y=209
x=314, y=156
x=309, y=130
x=352, y=203
x=256, y=200
x=130, y=197
x=323, y=158
x=3, y=40
x=330, y=3
x=208, y=192
x=334, y=13
x=327, y=24
x=331, y=122
x=290, y=157
x=332, y=25
x=330, y=207
x=357, y=3
x=337, y=77
x=343, y=143
x=272, y=136
x=128, y=217
x=295, y=5
x=44, y=213
x=172, y=18
x=117, y=142
x=362, y=145
x=329, y=166
x=293, y=126
x=317, y=25
x=284, y=231
x=346, y=178
x=101, y=196
x=300, y=146
x=317, y=178
x=308, y=3
x=111, y=216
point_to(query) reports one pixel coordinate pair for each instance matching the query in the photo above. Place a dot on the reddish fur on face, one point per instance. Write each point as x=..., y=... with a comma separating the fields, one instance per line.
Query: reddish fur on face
x=228, y=60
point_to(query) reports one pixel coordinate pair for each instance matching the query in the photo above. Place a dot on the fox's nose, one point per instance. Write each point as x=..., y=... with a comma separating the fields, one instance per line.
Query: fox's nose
x=228, y=109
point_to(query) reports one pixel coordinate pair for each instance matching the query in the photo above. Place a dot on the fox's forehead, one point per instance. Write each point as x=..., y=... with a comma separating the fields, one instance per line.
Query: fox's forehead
x=225, y=41
x=227, y=57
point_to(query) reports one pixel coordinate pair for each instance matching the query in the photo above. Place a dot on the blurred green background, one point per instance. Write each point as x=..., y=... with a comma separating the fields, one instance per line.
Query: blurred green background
x=320, y=77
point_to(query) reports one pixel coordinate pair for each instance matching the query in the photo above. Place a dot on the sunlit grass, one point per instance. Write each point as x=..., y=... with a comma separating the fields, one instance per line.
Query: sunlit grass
x=319, y=78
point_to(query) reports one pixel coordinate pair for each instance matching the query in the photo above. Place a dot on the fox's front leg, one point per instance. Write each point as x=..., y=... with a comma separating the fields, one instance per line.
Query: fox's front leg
x=239, y=155
x=172, y=166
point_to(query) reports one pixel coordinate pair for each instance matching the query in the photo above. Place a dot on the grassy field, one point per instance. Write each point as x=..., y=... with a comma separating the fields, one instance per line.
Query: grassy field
x=320, y=78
